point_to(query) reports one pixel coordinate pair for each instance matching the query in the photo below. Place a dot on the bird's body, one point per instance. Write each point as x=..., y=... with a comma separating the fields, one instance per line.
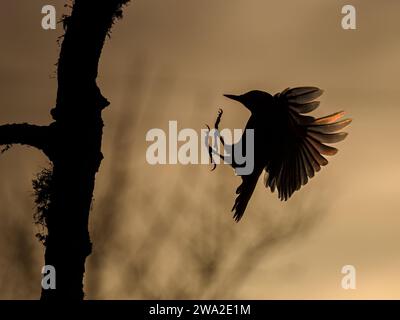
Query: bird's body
x=288, y=146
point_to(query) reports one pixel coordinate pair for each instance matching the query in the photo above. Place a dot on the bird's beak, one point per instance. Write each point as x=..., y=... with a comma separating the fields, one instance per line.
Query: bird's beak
x=233, y=97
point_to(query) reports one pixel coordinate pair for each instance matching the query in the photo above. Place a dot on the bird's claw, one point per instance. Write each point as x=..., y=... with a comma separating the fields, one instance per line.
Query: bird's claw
x=210, y=149
x=218, y=120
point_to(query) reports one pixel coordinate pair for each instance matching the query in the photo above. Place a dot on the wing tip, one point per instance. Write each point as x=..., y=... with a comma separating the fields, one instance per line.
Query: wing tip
x=237, y=215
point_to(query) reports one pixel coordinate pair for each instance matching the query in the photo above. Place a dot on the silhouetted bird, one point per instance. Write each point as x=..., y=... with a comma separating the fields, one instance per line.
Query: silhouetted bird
x=288, y=145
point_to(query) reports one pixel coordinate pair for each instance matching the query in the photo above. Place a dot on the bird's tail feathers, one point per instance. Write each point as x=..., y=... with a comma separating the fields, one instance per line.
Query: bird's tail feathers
x=244, y=192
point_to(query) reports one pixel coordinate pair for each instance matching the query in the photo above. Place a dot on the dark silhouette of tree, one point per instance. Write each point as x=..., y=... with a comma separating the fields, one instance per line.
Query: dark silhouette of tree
x=72, y=142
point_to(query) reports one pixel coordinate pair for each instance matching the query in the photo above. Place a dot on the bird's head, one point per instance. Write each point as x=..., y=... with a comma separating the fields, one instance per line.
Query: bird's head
x=253, y=100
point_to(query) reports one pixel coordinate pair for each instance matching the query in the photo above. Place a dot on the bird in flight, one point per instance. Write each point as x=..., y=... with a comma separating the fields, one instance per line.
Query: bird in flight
x=288, y=145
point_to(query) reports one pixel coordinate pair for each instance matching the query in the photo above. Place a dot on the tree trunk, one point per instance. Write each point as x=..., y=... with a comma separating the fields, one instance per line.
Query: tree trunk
x=76, y=152
x=73, y=143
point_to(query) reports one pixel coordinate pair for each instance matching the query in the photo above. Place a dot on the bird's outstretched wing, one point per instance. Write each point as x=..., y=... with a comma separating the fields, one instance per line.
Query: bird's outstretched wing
x=300, y=152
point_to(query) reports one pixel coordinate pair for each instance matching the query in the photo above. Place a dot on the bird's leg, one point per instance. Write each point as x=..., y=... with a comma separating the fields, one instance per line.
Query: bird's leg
x=211, y=151
x=216, y=125
x=229, y=147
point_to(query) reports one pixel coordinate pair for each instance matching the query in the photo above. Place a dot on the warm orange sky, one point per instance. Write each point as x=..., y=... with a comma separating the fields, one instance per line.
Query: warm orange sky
x=173, y=60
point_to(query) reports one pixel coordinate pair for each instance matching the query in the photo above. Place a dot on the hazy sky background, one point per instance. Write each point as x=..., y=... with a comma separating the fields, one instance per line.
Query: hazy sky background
x=173, y=60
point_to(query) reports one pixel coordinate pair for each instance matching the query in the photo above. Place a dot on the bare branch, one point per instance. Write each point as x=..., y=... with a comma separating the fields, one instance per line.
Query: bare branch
x=25, y=134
